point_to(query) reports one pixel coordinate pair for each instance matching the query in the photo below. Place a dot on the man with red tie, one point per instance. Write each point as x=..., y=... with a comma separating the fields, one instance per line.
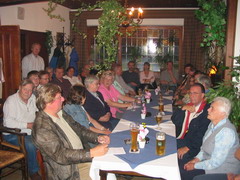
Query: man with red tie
x=191, y=123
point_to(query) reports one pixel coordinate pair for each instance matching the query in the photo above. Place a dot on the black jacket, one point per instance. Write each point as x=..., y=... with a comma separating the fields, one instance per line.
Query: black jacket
x=94, y=107
x=196, y=131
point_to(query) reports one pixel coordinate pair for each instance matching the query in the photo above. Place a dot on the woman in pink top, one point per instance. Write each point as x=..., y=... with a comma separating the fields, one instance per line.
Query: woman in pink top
x=111, y=95
x=147, y=77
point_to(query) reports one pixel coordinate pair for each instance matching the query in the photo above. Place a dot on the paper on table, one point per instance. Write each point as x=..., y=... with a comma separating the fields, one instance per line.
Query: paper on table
x=116, y=150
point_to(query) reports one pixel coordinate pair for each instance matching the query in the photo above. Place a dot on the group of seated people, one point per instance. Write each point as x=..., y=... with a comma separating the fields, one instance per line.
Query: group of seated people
x=207, y=142
x=69, y=120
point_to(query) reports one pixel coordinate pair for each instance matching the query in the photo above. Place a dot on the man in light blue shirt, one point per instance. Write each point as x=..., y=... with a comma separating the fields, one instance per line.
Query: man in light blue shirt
x=220, y=142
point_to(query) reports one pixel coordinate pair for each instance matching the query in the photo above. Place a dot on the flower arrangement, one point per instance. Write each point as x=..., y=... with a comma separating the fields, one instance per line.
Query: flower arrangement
x=143, y=131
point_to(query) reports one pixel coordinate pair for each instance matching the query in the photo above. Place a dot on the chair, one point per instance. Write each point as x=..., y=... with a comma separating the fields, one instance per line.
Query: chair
x=11, y=154
x=41, y=165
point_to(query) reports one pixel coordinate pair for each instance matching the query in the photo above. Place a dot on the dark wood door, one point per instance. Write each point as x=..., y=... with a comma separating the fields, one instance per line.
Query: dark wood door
x=30, y=37
x=10, y=54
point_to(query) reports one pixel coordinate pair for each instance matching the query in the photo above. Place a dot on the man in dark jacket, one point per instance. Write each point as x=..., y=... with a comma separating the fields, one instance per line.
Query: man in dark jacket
x=191, y=123
x=62, y=141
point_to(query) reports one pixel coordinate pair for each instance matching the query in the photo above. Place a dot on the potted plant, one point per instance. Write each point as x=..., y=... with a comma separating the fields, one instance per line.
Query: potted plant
x=230, y=90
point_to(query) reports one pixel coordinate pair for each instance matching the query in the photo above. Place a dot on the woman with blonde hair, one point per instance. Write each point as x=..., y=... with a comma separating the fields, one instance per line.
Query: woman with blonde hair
x=111, y=95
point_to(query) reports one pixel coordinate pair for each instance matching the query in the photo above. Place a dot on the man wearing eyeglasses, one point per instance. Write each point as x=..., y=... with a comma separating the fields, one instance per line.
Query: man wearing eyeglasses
x=191, y=123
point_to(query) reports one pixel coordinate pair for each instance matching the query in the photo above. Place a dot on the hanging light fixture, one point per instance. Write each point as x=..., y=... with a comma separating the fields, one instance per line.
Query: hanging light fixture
x=131, y=17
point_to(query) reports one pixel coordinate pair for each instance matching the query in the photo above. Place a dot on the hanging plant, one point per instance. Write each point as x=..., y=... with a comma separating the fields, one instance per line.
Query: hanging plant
x=49, y=41
x=113, y=14
x=212, y=14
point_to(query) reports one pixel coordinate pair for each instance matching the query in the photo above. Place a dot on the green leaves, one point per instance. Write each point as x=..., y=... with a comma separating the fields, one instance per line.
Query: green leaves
x=229, y=89
x=212, y=14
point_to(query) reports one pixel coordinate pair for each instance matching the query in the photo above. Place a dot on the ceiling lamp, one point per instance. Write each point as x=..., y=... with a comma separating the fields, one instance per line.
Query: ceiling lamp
x=131, y=18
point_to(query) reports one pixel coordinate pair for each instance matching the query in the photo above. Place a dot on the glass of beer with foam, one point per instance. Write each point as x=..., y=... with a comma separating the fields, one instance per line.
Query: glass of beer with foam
x=134, y=129
x=160, y=143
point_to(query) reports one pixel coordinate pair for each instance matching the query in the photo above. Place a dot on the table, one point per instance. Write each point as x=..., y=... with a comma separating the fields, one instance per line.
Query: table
x=148, y=164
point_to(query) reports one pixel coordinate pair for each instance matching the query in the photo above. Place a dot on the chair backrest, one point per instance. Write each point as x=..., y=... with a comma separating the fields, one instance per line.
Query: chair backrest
x=12, y=153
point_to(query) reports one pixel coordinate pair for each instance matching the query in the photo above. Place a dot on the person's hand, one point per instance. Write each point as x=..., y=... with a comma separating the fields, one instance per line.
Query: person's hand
x=29, y=125
x=104, y=139
x=189, y=108
x=189, y=166
x=99, y=150
x=105, y=118
x=132, y=93
x=106, y=131
x=182, y=151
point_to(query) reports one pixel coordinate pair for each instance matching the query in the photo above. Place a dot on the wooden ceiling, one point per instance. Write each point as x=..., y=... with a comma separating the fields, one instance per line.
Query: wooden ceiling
x=73, y=4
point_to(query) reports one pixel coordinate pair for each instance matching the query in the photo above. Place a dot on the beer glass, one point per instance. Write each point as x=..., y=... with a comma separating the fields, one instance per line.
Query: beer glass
x=134, y=128
x=161, y=107
x=160, y=143
x=158, y=119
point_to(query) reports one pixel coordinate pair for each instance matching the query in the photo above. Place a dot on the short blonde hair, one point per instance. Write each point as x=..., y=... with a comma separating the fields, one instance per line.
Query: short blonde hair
x=107, y=73
x=46, y=94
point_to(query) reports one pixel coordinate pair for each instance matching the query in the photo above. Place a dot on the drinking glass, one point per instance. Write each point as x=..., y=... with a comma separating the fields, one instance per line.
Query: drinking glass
x=158, y=120
x=134, y=128
x=160, y=143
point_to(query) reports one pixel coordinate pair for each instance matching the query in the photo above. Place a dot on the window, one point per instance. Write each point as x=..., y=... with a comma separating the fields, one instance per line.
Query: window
x=155, y=45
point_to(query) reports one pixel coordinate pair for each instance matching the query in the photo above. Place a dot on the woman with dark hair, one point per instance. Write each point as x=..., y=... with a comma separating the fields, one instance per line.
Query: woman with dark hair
x=70, y=76
x=147, y=77
x=74, y=108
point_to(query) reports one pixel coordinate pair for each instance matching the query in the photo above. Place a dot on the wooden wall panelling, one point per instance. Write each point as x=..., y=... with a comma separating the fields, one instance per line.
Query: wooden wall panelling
x=230, y=35
x=10, y=53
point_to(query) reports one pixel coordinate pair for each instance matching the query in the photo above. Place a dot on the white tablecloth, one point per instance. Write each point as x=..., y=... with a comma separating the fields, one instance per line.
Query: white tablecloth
x=165, y=167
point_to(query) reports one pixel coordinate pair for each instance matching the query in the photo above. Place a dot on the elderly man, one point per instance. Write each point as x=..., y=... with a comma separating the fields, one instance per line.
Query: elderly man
x=19, y=112
x=131, y=77
x=220, y=142
x=62, y=141
x=64, y=84
x=191, y=123
x=32, y=61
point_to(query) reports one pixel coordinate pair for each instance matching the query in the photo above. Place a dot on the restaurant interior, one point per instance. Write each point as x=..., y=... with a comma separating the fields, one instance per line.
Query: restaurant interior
x=154, y=31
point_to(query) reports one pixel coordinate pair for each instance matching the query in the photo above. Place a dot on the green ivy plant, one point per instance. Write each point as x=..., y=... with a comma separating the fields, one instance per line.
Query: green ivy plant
x=212, y=14
x=113, y=14
x=230, y=90
x=49, y=41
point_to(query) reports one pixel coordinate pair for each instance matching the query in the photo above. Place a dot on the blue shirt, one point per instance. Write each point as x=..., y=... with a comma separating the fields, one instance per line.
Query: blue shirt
x=78, y=114
x=224, y=140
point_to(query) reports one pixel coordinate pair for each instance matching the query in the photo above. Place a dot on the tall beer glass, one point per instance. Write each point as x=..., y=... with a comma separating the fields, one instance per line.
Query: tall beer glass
x=161, y=107
x=134, y=128
x=158, y=119
x=160, y=143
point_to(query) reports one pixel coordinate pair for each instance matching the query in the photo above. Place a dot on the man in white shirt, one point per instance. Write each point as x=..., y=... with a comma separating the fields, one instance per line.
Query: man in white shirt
x=19, y=112
x=32, y=61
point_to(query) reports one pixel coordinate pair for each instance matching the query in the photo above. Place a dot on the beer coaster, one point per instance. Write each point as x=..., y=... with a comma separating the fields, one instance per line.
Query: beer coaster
x=135, y=152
